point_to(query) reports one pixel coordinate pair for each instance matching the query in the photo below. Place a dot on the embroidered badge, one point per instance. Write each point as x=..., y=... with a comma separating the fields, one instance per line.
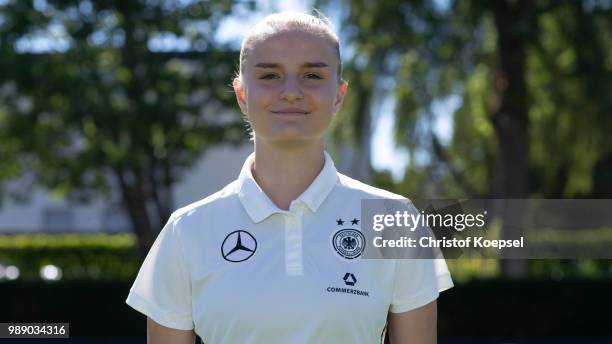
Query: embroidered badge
x=348, y=243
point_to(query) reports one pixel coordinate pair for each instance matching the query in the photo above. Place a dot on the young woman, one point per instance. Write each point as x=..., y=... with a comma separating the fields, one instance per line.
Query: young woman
x=274, y=257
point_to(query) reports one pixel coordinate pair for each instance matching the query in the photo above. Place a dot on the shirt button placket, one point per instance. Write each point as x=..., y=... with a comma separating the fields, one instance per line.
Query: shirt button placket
x=293, y=241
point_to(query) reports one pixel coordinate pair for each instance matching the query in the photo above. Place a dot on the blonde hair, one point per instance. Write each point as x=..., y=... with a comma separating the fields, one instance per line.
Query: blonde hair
x=281, y=22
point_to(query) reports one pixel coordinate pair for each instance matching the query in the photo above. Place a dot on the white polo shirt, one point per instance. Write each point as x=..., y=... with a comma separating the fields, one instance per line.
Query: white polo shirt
x=237, y=269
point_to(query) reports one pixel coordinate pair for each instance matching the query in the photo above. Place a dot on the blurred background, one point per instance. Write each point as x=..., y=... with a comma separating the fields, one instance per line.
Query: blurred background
x=114, y=113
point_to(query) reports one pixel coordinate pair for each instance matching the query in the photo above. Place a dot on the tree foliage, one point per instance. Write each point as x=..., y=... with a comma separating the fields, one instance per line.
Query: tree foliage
x=548, y=60
x=111, y=95
x=534, y=83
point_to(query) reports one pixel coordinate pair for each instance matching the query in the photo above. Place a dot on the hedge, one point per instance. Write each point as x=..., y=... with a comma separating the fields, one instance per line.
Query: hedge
x=79, y=256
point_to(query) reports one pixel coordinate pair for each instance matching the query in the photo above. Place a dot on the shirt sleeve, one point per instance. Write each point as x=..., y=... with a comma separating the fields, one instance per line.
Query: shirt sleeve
x=418, y=282
x=162, y=289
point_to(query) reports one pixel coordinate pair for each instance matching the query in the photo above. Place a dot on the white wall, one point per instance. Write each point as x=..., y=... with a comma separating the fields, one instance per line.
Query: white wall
x=216, y=168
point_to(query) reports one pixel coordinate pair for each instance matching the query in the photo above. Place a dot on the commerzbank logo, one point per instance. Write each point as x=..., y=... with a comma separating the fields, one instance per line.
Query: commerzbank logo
x=238, y=246
x=349, y=279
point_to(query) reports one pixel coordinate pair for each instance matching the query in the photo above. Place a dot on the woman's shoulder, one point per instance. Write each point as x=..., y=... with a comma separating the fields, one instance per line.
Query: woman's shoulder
x=218, y=198
x=365, y=190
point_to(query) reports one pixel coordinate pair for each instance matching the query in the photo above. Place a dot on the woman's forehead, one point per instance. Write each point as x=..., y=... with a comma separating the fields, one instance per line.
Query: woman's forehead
x=292, y=47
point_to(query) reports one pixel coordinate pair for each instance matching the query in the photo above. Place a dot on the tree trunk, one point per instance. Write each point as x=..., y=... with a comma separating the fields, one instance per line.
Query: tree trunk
x=510, y=117
x=135, y=201
x=361, y=167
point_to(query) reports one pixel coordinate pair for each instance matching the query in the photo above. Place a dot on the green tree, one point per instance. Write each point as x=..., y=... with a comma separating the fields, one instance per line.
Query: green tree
x=126, y=95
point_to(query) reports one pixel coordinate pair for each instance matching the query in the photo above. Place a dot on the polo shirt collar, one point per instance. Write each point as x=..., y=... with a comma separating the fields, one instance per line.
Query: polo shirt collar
x=259, y=206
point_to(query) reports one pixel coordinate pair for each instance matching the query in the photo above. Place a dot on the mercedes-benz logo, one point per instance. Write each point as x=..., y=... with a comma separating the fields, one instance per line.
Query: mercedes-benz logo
x=238, y=246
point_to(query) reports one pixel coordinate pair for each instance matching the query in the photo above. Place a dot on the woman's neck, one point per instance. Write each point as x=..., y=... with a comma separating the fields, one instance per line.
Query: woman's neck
x=284, y=173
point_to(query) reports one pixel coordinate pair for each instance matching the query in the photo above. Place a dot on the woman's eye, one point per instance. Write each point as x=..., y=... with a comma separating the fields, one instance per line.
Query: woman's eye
x=313, y=76
x=269, y=76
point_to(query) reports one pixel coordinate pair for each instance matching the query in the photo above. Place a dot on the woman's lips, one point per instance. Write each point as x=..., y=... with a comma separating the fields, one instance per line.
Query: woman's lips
x=291, y=112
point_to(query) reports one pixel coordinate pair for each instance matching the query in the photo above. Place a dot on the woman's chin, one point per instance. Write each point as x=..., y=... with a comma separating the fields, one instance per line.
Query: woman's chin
x=289, y=139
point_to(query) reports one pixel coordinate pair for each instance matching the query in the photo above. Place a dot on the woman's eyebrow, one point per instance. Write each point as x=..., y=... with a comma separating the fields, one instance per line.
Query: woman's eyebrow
x=307, y=65
x=315, y=65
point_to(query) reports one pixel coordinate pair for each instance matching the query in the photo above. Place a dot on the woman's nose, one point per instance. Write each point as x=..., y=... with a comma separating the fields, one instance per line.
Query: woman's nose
x=291, y=90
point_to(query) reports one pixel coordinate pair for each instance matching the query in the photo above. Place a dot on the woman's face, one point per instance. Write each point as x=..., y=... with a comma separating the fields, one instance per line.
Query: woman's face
x=290, y=89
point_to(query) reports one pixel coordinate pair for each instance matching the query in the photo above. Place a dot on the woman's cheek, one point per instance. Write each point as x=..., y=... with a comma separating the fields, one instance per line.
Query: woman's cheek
x=263, y=92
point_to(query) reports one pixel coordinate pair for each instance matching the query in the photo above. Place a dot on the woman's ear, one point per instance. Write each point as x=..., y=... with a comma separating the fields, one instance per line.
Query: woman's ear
x=240, y=94
x=340, y=93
